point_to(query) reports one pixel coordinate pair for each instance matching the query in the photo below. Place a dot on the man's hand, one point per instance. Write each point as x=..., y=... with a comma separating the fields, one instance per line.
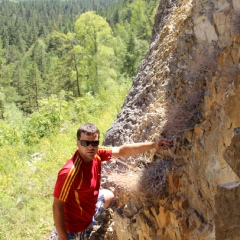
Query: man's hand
x=163, y=144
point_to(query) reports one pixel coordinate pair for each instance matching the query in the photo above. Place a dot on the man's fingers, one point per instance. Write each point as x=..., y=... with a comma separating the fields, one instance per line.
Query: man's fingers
x=164, y=143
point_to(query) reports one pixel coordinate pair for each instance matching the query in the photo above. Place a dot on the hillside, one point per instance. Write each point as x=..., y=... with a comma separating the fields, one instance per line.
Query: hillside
x=57, y=72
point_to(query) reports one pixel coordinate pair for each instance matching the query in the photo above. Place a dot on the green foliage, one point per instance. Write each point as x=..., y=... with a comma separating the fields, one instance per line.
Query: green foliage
x=95, y=36
x=71, y=66
x=57, y=112
x=8, y=134
x=47, y=139
x=49, y=46
x=11, y=126
x=134, y=30
x=48, y=120
x=139, y=21
x=2, y=103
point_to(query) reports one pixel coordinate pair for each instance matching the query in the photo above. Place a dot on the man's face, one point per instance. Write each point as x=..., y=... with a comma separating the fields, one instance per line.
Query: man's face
x=87, y=152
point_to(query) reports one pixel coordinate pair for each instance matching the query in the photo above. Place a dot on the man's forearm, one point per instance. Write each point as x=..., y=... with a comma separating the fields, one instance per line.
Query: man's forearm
x=128, y=150
x=59, y=220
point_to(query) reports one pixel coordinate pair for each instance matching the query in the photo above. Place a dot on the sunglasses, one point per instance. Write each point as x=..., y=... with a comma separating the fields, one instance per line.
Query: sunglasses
x=85, y=143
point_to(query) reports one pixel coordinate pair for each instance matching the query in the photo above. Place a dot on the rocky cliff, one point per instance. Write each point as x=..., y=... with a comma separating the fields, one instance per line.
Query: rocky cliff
x=187, y=89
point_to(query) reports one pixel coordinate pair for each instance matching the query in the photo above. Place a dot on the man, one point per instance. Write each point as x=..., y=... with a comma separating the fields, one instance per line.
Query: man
x=77, y=197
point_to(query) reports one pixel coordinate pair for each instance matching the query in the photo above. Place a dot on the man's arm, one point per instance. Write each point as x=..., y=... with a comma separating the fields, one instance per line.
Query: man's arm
x=129, y=150
x=59, y=219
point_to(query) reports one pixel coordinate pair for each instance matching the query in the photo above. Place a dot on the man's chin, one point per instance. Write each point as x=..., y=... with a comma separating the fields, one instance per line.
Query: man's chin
x=91, y=156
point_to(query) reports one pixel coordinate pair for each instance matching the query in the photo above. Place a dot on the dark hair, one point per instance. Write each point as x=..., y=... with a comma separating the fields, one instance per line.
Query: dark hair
x=88, y=129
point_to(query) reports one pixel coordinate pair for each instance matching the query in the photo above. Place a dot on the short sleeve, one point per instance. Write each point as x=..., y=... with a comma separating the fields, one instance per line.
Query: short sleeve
x=61, y=190
x=105, y=153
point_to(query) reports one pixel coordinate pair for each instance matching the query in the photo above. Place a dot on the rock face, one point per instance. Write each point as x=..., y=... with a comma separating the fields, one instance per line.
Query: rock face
x=227, y=220
x=187, y=89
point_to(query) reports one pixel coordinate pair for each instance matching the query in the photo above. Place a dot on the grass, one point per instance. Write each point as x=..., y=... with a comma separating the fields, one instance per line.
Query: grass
x=26, y=190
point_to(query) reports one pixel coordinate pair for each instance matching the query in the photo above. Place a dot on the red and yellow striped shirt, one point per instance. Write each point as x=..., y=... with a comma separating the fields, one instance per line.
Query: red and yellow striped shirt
x=78, y=186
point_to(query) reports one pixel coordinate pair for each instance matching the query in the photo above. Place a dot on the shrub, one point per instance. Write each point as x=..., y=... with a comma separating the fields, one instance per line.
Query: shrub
x=47, y=120
x=153, y=181
x=8, y=134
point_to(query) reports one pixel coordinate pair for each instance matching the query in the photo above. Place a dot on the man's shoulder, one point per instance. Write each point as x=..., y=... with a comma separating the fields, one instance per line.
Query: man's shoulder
x=104, y=153
x=71, y=162
x=104, y=149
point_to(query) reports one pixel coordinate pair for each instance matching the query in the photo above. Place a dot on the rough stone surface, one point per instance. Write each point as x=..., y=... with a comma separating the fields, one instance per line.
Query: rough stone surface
x=186, y=89
x=228, y=217
x=232, y=154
